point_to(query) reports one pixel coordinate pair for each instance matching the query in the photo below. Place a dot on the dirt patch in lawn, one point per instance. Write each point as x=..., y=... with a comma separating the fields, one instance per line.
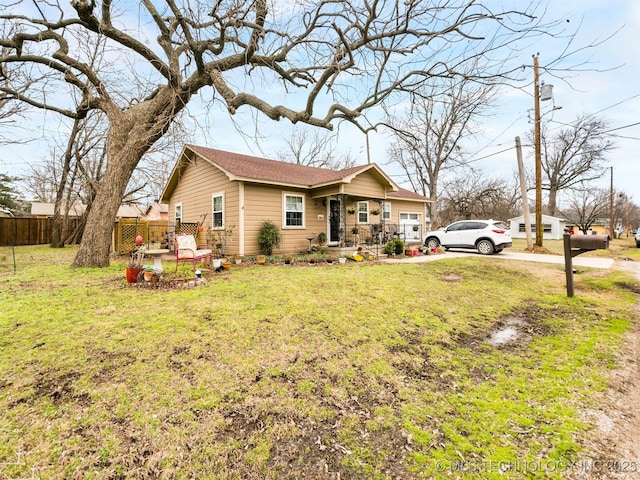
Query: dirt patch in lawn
x=511, y=331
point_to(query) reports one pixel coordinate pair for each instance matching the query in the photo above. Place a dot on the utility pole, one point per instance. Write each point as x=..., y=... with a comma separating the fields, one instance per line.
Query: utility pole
x=538, y=155
x=523, y=192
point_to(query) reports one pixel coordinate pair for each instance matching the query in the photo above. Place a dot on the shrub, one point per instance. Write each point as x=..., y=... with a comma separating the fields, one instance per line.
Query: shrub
x=269, y=237
x=399, y=246
x=389, y=248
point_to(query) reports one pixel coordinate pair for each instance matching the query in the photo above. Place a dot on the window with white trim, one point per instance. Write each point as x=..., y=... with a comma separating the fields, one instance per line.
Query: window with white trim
x=293, y=210
x=177, y=213
x=363, y=212
x=217, y=211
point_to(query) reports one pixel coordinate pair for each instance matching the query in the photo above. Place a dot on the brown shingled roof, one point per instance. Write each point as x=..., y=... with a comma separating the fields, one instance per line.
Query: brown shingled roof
x=261, y=169
x=406, y=195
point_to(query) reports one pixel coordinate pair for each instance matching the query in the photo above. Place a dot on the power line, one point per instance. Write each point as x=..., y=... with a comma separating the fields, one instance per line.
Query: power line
x=620, y=128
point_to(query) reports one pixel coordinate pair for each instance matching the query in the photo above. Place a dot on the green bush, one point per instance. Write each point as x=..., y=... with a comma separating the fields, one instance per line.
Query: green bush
x=269, y=237
x=399, y=246
x=394, y=247
x=389, y=248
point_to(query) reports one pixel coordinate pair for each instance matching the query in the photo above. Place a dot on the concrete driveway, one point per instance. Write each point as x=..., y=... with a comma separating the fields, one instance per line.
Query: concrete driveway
x=507, y=254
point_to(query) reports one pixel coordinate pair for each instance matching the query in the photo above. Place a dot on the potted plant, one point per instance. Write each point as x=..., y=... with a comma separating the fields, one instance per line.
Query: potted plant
x=330, y=258
x=375, y=212
x=351, y=211
x=262, y=259
x=322, y=238
x=288, y=259
x=135, y=265
x=355, y=230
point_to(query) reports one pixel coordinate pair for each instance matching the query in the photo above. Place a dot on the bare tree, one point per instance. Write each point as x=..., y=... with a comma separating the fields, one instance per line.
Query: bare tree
x=348, y=59
x=429, y=135
x=472, y=195
x=625, y=214
x=586, y=205
x=573, y=156
x=317, y=150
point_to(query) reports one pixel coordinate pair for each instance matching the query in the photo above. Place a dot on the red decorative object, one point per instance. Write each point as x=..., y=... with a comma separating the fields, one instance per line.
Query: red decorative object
x=132, y=274
x=139, y=240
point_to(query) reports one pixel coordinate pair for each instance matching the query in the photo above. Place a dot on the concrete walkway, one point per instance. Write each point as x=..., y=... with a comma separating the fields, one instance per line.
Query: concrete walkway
x=506, y=254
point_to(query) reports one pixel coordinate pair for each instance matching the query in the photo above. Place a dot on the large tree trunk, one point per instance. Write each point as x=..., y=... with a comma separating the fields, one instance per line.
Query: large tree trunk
x=131, y=134
x=95, y=247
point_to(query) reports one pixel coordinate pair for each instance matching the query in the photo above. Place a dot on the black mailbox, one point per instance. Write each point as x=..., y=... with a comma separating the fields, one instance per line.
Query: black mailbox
x=575, y=245
x=590, y=242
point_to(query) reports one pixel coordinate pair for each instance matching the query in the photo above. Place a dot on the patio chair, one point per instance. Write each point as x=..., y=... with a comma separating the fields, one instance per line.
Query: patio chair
x=392, y=231
x=188, y=251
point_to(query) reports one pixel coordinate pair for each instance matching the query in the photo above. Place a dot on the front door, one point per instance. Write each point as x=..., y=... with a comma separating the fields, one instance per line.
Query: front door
x=334, y=222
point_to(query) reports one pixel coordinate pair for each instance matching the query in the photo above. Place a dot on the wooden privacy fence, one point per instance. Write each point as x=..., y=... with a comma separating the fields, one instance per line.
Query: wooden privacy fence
x=30, y=231
x=16, y=231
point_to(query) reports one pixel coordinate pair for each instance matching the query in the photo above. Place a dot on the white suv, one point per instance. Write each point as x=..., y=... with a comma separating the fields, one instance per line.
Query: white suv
x=486, y=236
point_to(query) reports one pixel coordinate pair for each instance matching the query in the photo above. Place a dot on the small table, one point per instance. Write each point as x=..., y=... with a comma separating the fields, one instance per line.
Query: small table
x=156, y=254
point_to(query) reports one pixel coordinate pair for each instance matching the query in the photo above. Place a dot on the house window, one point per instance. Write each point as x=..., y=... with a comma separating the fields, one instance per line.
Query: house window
x=293, y=210
x=410, y=217
x=546, y=227
x=363, y=212
x=178, y=213
x=217, y=211
x=386, y=211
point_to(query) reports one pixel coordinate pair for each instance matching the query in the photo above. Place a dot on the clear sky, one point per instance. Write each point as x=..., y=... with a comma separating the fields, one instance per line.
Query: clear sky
x=608, y=86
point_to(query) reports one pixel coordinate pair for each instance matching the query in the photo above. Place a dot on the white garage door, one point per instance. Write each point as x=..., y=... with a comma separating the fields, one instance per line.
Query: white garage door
x=407, y=222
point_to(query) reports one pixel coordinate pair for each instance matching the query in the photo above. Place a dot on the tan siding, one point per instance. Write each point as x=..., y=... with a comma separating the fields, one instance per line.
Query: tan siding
x=398, y=206
x=265, y=203
x=365, y=185
x=195, y=190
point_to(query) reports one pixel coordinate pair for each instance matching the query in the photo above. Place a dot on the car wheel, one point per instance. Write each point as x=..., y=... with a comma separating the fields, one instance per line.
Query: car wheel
x=485, y=247
x=431, y=243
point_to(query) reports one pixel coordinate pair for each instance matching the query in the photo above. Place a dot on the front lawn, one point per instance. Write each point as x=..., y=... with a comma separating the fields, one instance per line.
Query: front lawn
x=357, y=371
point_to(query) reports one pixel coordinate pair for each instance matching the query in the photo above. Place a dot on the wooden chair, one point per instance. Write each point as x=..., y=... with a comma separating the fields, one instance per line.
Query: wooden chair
x=188, y=251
